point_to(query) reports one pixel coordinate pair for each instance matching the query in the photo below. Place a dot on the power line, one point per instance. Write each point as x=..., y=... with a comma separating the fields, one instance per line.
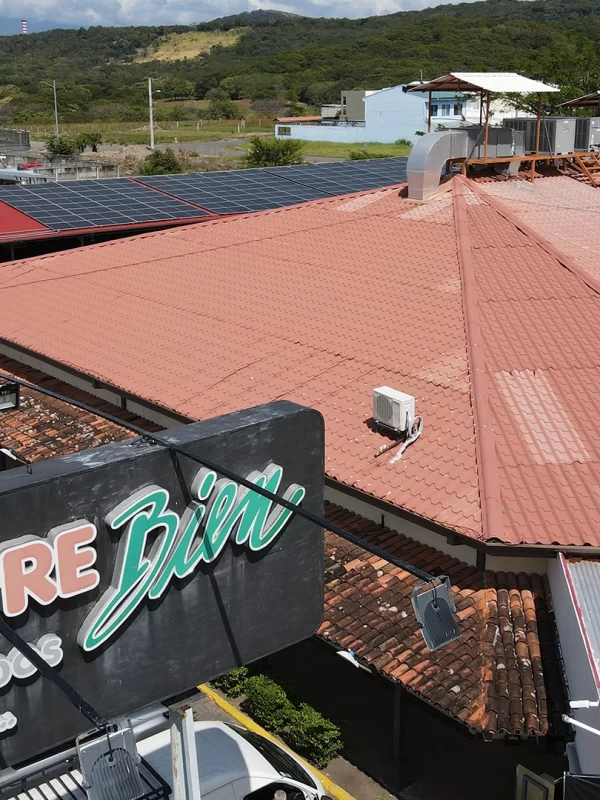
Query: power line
x=233, y=476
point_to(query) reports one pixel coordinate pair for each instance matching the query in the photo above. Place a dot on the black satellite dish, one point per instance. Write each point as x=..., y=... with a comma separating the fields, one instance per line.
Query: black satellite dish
x=434, y=609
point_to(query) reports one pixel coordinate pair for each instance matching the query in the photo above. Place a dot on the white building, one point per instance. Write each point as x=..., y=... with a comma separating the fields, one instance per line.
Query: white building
x=387, y=115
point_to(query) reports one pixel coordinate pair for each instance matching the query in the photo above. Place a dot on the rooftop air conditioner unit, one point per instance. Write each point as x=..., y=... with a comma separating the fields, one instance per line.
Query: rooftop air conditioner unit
x=393, y=409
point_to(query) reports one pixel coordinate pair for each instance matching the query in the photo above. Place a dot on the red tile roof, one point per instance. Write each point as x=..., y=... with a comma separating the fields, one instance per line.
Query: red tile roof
x=449, y=300
x=499, y=677
x=314, y=118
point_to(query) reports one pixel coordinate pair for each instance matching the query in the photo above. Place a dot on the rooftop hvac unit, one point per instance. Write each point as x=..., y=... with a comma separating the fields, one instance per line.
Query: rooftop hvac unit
x=393, y=409
x=587, y=134
x=557, y=134
x=502, y=142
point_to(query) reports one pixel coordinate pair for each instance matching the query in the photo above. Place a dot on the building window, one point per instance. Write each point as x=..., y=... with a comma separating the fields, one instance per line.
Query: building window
x=284, y=130
x=434, y=110
x=445, y=110
x=457, y=109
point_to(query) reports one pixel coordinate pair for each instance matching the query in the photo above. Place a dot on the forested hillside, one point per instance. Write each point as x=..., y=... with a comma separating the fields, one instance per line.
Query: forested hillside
x=102, y=72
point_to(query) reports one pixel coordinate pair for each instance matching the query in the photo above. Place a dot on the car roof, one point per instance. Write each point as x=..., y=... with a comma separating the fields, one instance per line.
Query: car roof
x=223, y=756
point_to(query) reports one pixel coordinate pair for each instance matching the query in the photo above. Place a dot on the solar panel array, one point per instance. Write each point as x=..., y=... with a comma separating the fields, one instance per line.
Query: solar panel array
x=95, y=204
x=235, y=191
x=345, y=177
x=240, y=191
x=78, y=205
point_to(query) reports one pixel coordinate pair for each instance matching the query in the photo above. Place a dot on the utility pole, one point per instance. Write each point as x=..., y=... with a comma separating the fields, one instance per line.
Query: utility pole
x=53, y=87
x=151, y=113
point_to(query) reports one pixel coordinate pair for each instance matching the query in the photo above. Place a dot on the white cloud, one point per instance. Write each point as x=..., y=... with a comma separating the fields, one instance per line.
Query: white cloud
x=153, y=12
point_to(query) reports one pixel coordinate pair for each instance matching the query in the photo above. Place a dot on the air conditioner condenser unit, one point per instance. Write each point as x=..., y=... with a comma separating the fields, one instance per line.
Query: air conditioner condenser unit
x=393, y=409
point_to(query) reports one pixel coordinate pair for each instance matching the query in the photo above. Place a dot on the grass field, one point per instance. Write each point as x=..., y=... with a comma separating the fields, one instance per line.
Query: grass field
x=179, y=46
x=164, y=132
x=337, y=150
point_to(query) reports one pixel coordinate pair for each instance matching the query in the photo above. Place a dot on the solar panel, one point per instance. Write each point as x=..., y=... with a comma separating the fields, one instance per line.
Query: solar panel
x=345, y=177
x=235, y=191
x=95, y=204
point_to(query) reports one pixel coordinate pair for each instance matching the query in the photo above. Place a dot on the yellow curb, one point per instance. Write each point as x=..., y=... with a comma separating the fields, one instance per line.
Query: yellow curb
x=330, y=787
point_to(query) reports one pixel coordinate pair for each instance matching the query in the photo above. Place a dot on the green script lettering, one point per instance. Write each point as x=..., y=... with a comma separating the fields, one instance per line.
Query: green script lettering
x=134, y=572
x=223, y=506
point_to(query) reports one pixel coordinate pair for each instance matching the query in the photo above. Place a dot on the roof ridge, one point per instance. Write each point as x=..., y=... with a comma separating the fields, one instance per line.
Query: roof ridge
x=487, y=467
x=531, y=233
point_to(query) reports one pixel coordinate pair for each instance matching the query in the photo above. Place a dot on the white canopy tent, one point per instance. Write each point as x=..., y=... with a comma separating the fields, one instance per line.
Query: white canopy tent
x=486, y=83
x=498, y=82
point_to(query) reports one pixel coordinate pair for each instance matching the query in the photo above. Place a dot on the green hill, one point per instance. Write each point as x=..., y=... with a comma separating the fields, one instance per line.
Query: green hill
x=270, y=56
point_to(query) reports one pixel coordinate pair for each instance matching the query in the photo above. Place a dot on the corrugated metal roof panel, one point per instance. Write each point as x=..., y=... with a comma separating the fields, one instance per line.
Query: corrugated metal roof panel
x=586, y=580
x=502, y=82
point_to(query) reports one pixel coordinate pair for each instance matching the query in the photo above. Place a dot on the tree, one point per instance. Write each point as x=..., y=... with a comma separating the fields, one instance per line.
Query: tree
x=83, y=140
x=94, y=139
x=161, y=162
x=222, y=109
x=266, y=152
x=60, y=147
x=216, y=94
x=80, y=142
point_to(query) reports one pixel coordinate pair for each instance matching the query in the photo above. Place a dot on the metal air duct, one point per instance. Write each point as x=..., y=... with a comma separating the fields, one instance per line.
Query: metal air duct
x=428, y=156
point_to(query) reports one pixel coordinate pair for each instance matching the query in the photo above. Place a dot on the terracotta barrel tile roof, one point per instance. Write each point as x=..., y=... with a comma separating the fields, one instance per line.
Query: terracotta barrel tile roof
x=43, y=427
x=493, y=679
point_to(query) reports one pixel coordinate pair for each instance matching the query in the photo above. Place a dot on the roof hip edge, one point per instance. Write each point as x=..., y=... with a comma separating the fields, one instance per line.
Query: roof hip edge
x=487, y=467
x=553, y=251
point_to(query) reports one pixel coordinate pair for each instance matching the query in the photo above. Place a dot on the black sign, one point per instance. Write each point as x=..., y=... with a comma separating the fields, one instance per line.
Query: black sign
x=140, y=574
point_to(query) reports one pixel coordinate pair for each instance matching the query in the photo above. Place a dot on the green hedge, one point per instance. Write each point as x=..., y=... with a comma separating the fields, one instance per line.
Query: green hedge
x=268, y=704
x=233, y=683
x=313, y=736
x=303, y=728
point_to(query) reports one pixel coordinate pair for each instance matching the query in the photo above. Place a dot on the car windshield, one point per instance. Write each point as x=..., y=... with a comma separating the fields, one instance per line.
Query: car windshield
x=285, y=765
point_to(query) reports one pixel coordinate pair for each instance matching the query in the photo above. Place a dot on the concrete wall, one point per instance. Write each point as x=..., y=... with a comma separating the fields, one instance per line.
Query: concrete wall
x=354, y=106
x=580, y=676
x=345, y=134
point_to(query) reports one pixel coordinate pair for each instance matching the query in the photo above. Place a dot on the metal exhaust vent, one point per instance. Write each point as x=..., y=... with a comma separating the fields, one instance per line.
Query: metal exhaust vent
x=434, y=609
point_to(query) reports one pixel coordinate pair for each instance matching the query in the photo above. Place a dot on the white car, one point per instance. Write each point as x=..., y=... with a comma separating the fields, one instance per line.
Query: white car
x=236, y=764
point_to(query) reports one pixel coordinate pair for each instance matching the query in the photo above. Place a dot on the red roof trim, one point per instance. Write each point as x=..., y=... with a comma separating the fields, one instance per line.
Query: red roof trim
x=487, y=466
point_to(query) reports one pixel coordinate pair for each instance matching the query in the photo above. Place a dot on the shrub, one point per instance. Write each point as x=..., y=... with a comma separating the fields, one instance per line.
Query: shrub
x=403, y=142
x=233, y=683
x=60, y=147
x=313, y=736
x=419, y=133
x=161, y=162
x=266, y=152
x=268, y=703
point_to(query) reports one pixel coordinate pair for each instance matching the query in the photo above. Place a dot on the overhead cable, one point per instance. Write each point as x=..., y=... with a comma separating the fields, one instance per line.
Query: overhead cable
x=231, y=475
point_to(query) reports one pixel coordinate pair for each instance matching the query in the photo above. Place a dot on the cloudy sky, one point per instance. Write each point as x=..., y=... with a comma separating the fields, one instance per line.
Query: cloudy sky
x=152, y=12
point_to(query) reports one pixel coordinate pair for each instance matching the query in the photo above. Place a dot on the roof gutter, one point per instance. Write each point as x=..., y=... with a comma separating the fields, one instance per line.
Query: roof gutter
x=455, y=537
